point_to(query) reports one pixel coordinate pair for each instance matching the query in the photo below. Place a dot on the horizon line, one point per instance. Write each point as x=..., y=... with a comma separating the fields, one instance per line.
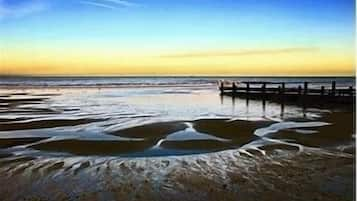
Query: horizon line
x=163, y=75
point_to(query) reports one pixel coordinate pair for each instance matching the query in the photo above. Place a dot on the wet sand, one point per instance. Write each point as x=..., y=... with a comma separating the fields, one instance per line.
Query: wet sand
x=11, y=142
x=153, y=131
x=214, y=135
x=71, y=154
x=216, y=176
x=38, y=124
x=270, y=172
x=338, y=132
x=239, y=131
x=92, y=147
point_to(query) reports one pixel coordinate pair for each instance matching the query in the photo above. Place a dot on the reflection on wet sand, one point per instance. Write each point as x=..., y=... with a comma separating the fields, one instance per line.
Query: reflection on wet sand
x=263, y=103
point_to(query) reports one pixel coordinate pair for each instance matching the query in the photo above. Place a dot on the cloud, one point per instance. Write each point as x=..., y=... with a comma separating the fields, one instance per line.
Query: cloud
x=241, y=52
x=122, y=3
x=101, y=5
x=9, y=10
x=109, y=4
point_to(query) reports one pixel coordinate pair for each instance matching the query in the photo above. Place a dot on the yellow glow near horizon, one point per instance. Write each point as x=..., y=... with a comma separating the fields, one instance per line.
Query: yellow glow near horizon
x=288, y=61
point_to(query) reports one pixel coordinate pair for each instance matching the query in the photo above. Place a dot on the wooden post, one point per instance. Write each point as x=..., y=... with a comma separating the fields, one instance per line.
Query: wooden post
x=333, y=91
x=264, y=88
x=247, y=87
x=299, y=89
x=234, y=87
x=282, y=106
x=221, y=87
x=306, y=88
x=279, y=89
x=322, y=90
x=282, y=88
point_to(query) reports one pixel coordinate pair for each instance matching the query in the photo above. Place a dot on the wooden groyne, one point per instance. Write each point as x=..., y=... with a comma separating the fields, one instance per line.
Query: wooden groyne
x=300, y=92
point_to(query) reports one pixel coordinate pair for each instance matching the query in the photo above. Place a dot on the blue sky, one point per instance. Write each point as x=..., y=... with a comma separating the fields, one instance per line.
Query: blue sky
x=183, y=25
x=223, y=21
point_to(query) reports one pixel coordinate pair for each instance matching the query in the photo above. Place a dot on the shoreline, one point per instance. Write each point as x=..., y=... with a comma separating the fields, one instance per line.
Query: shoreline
x=104, y=86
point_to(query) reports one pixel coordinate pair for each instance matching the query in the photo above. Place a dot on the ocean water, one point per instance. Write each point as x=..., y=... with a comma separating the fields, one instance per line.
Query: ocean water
x=161, y=81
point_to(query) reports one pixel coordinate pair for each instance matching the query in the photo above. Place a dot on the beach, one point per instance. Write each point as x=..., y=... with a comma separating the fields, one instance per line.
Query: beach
x=170, y=139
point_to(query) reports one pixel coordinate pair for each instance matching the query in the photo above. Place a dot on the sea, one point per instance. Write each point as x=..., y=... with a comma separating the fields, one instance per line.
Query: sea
x=160, y=81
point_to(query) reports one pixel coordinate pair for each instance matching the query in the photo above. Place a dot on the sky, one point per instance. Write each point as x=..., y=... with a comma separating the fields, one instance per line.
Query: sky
x=178, y=37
